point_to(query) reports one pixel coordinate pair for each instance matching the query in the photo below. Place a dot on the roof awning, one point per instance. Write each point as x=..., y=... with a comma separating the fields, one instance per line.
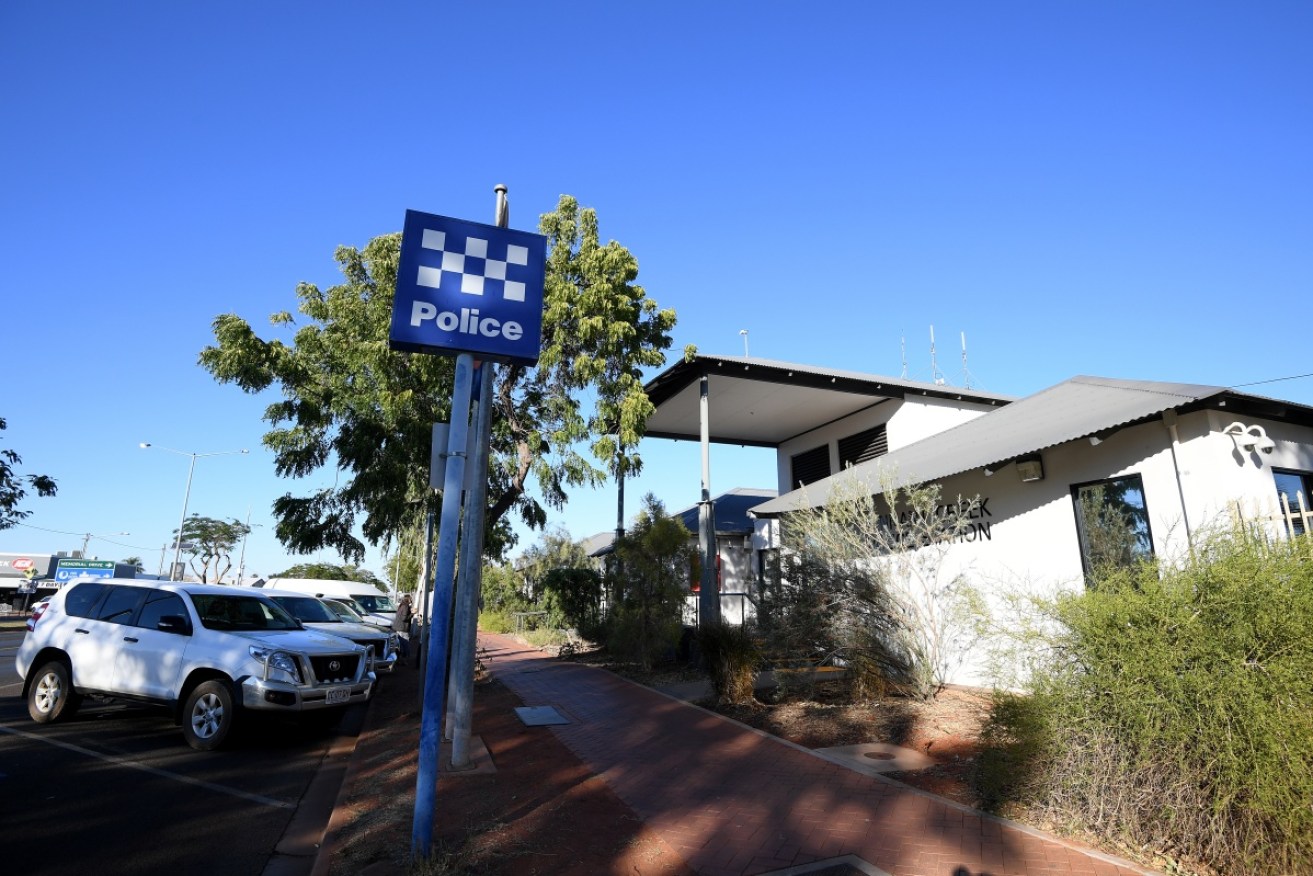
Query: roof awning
x=764, y=403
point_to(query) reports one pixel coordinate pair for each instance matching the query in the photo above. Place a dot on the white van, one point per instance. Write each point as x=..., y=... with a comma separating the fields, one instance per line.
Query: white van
x=379, y=605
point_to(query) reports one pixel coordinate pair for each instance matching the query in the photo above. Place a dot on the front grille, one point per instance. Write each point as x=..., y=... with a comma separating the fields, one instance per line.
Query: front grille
x=326, y=673
x=375, y=645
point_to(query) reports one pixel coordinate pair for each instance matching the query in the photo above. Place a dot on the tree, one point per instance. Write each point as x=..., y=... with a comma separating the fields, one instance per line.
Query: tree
x=134, y=562
x=210, y=542
x=649, y=583
x=13, y=487
x=331, y=572
x=350, y=402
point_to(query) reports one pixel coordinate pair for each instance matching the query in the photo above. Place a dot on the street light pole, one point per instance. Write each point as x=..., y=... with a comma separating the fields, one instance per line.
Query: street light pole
x=186, y=496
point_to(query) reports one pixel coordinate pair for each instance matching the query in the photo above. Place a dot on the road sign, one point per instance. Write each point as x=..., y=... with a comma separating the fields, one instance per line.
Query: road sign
x=466, y=287
x=70, y=569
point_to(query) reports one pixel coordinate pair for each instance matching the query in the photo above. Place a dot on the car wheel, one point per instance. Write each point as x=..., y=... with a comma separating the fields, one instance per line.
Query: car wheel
x=51, y=697
x=207, y=719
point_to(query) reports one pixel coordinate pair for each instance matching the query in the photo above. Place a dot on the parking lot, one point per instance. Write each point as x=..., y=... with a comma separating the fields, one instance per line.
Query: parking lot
x=117, y=790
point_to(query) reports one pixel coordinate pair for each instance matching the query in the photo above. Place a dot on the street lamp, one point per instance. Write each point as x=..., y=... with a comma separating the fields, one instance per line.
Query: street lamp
x=86, y=539
x=177, y=550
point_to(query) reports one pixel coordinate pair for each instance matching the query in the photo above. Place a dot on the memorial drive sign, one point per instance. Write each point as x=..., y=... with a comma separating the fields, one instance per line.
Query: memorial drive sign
x=466, y=287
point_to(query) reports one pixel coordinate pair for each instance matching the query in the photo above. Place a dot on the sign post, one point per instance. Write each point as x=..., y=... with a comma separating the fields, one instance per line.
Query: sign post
x=469, y=290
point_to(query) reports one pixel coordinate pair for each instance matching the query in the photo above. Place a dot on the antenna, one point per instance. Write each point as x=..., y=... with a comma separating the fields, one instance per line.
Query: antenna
x=966, y=372
x=902, y=349
x=744, y=332
x=936, y=375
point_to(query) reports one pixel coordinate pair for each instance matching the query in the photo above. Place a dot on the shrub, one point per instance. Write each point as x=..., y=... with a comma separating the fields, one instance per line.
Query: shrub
x=732, y=657
x=496, y=622
x=1176, y=711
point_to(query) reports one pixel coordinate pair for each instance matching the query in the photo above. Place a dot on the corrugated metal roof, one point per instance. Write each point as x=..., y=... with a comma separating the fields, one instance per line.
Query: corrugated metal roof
x=1074, y=409
x=731, y=510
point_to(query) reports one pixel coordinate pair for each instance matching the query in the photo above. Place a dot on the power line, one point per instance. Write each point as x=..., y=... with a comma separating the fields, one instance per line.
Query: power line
x=81, y=534
x=1273, y=380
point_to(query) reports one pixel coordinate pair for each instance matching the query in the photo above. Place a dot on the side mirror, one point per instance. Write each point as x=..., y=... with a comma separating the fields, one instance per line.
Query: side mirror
x=174, y=623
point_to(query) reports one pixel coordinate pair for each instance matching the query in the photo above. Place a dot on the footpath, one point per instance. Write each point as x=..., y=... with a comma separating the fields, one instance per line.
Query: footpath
x=714, y=797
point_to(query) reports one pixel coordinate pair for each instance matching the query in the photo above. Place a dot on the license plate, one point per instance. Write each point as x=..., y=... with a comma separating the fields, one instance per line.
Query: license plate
x=339, y=695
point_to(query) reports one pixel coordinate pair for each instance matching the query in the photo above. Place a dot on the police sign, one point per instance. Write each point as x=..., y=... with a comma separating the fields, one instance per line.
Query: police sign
x=465, y=287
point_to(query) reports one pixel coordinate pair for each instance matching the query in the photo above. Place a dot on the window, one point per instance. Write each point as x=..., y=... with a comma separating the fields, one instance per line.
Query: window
x=120, y=605
x=1296, y=487
x=811, y=466
x=82, y=599
x=856, y=449
x=1112, y=522
x=160, y=604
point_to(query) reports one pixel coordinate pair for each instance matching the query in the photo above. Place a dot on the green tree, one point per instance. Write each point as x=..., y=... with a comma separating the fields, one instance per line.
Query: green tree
x=555, y=550
x=331, y=572
x=350, y=402
x=209, y=543
x=649, y=582
x=13, y=487
x=134, y=562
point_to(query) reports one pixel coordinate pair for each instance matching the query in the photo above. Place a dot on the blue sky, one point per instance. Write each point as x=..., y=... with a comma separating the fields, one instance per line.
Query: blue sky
x=1113, y=188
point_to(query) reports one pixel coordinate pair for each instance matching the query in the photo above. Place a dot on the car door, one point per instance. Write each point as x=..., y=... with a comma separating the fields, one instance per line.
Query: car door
x=150, y=660
x=87, y=640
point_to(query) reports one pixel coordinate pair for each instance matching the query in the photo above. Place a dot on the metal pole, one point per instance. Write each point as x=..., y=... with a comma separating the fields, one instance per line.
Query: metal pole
x=435, y=673
x=471, y=579
x=241, y=563
x=423, y=587
x=709, y=598
x=186, y=497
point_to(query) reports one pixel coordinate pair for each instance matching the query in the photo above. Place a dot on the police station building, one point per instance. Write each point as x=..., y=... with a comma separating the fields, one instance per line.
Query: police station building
x=1181, y=459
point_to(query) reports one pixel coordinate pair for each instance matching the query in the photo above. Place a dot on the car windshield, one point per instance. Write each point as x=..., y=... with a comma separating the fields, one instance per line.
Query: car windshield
x=375, y=603
x=308, y=610
x=241, y=613
x=344, y=611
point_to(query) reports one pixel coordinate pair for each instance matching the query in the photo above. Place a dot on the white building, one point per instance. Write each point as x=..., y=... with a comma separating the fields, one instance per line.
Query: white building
x=1184, y=457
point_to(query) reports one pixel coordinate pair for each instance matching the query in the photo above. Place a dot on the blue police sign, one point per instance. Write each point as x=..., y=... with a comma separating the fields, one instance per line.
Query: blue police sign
x=466, y=287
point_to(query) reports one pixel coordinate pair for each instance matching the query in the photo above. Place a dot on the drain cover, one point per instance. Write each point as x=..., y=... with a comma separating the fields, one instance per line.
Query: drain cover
x=878, y=755
x=540, y=716
x=847, y=865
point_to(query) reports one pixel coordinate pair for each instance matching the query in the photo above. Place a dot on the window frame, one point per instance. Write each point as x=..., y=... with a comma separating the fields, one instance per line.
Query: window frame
x=1081, y=538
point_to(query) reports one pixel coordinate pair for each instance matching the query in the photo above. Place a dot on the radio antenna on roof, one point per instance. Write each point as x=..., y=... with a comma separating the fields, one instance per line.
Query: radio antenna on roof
x=936, y=375
x=902, y=349
x=966, y=372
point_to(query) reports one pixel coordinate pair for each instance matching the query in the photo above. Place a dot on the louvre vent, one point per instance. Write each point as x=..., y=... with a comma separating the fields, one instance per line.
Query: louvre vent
x=864, y=446
x=811, y=466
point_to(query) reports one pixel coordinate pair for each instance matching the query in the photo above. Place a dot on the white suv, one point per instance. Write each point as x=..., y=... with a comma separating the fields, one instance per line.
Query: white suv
x=204, y=651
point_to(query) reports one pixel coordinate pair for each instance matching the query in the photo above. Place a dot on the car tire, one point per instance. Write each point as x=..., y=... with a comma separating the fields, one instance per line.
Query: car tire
x=50, y=696
x=208, y=717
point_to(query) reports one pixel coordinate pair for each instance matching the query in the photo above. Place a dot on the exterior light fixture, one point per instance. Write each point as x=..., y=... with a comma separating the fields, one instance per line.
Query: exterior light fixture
x=1030, y=469
x=1250, y=438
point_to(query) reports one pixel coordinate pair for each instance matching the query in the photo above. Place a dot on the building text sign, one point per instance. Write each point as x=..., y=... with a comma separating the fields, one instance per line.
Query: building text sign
x=466, y=287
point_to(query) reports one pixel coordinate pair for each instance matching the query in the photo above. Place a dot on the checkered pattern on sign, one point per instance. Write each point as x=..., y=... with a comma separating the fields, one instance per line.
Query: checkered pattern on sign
x=471, y=268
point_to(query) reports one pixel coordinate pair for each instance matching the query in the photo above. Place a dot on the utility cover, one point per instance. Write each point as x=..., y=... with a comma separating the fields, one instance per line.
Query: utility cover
x=540, y=716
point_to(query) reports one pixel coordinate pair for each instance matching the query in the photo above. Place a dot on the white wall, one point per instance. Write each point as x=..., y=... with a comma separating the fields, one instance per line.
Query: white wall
x=1025, y=539
x=908, y=420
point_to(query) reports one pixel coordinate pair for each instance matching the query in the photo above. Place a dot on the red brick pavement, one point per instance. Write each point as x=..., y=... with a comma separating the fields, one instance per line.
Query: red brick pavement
x=736, y=802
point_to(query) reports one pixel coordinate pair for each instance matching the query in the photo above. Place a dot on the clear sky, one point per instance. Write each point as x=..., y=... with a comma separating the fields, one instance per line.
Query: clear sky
x=1114, y=188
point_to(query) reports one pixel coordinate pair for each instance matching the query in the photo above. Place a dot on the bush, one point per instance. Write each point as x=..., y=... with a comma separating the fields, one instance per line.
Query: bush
x=496, y=622
x=732, y=657
x=1176, y=711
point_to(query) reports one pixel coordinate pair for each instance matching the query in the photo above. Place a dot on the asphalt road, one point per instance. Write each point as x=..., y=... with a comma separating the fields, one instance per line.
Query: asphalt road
x=117, y=790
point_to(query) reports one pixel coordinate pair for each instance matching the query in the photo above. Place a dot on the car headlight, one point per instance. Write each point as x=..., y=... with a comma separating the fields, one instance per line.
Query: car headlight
x=277, y=661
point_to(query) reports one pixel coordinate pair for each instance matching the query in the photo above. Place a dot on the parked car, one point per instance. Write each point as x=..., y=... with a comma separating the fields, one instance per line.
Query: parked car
x=203, y=651
x=379, y=607
x=349, y=610
x=317, y=615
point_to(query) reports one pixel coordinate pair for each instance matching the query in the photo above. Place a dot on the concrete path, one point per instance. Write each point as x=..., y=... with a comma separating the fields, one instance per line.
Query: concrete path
x=734, y=801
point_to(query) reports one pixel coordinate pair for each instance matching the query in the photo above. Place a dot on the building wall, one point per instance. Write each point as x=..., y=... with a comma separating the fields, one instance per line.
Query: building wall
x=907, y=421
x=1024, y=540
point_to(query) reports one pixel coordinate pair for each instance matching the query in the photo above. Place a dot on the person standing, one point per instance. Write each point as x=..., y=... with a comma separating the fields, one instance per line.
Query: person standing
x=401, y=625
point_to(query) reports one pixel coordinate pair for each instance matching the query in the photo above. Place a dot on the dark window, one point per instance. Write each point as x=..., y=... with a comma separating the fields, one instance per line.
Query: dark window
x=120, y=604
x=811, y=466
x=856, y=449
x=82, y=598
x=1112, y=521
x=161, y=603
